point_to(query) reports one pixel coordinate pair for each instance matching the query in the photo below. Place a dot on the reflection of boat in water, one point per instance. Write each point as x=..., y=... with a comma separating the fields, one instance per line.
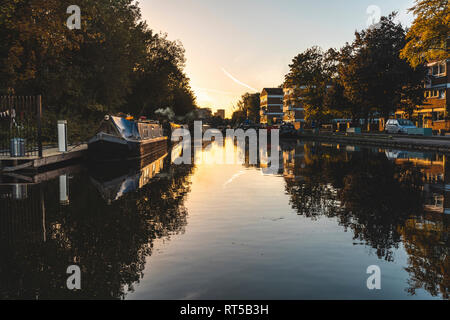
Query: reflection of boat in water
x=121, y=138
x=114, y=183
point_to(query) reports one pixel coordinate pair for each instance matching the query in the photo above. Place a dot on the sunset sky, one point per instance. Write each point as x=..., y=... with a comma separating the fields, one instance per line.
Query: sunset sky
x=233, y=47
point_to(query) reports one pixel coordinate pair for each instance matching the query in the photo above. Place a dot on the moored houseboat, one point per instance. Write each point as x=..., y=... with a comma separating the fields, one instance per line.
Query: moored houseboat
x=123, y=138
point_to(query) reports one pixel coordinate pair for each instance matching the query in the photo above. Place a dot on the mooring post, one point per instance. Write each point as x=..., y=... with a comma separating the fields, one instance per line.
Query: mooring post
x=39, y=124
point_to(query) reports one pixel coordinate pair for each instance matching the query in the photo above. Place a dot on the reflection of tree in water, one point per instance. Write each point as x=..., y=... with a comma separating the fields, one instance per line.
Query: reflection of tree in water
x=427, y=243
x=109, y=242
x=309, y=197
x=366, y=192
x=378, y=196
x=381, y=202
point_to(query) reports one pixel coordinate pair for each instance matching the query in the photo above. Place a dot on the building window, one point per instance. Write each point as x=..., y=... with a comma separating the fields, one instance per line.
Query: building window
x=437, y=93
x=438, y=70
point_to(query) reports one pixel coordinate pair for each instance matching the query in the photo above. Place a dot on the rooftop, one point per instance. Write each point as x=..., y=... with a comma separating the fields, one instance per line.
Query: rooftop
x=273, y=91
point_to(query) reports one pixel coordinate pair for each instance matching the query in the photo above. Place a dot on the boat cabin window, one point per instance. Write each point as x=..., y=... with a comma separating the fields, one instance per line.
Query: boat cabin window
x=149, y=130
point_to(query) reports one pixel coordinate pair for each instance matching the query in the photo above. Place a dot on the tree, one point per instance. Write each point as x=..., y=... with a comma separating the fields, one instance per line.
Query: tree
x=429, y=35
x=310, y=73
x=237, y=117
x=374, y=77
x=339, y=104
x=249, y=104
x=159, y=80
x=115, y=62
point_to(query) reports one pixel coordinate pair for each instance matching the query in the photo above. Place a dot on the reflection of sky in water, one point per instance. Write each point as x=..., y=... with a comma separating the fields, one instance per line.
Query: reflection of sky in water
x=230, y=231
x=244, y=240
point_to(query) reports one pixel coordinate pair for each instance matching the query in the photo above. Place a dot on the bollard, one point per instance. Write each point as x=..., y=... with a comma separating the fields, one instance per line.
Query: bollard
x=64, y=190
x=62, y=135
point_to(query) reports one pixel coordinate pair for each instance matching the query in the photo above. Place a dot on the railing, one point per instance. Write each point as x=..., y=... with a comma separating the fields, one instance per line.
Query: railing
x=20, y=126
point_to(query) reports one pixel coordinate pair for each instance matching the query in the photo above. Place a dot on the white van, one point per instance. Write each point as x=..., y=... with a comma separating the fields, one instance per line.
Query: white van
x=399, y=126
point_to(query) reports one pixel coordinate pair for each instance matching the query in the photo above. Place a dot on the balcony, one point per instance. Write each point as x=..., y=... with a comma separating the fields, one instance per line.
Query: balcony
x=293, y=108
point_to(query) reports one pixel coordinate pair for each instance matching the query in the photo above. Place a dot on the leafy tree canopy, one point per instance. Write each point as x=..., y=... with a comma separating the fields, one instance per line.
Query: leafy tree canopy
x=115, y=62
x=429, y=35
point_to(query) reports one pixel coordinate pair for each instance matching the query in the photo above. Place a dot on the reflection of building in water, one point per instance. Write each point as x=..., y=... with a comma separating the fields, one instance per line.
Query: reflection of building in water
x=270, y=160
x=427, y=243
x=377, y=195
x=436, y=173
x=258, y=157
x=294, y=162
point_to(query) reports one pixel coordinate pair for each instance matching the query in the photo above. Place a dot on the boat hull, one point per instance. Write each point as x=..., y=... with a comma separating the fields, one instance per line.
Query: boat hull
x=107, y=148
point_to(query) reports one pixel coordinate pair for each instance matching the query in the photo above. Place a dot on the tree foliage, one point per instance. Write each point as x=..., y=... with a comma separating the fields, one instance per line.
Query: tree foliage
x=115, y=62
x=429, y=35
x=372, y=73
x=311, y=73
x=364, y=79
x=247, y=108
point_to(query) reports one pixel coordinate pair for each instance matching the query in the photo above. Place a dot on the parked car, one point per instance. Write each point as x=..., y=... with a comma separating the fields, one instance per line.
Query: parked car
x=399, y=126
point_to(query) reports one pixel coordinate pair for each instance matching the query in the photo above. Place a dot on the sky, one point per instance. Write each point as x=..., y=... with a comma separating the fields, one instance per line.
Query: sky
x=238, y=46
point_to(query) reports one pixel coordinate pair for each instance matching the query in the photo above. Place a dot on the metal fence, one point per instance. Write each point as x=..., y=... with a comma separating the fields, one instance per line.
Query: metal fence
x=21, y=126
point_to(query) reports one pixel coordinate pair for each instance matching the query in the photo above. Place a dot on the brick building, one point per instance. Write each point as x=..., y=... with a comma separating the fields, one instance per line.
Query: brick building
x=293, y=108
x=271, y=105
x=434, y=112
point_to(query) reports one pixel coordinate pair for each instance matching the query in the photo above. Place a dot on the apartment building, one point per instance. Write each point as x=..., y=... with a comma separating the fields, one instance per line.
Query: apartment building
x=293, y=108
x=433, y=113
x=271, y=106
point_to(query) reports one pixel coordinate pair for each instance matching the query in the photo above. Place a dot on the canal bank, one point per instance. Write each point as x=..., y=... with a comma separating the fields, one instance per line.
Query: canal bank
x=416, y=143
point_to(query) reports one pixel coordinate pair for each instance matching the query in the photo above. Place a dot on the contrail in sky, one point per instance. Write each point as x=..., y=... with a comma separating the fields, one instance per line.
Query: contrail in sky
x=237, y=81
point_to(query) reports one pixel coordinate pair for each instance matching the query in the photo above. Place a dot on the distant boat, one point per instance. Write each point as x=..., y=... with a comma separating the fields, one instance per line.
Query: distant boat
x=123, y=138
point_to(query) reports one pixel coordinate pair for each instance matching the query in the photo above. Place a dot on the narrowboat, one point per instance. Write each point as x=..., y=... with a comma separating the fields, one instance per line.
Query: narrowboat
x=121, y=138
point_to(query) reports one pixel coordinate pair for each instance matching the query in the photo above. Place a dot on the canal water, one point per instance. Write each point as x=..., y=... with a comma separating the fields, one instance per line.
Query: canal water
x=232, y=231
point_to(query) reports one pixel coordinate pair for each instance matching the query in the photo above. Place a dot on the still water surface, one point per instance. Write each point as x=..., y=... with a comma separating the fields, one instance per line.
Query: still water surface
x=221, y=231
